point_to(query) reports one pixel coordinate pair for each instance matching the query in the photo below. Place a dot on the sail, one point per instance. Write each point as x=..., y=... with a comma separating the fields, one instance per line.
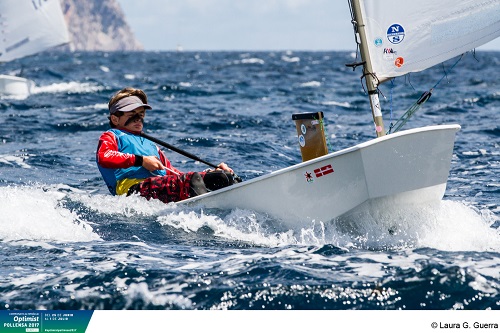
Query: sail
x=30, y=26
x=410, y=36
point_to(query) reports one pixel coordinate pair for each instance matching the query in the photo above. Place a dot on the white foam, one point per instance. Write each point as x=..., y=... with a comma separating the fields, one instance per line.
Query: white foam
x=252, y=61
x=248, y=61
x=449, y=226
x=33, y=213
x=122, y=205
x=457, y=226
x=16, y=161
x=238, y=225
x=72, y=87
x=290, y=59
x=342, y=104
x=311, y=84
x=97, y=106
x=140, y=291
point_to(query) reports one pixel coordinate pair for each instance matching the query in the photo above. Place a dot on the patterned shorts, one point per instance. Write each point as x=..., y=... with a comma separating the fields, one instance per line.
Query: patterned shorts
x=176, y=188
x=164, y=188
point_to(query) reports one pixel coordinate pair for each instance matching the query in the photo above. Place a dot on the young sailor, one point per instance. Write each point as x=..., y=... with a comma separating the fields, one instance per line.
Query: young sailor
x=130, y=163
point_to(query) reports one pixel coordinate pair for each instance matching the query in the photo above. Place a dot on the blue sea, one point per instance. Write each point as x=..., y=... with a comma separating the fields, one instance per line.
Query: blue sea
x=67, y=244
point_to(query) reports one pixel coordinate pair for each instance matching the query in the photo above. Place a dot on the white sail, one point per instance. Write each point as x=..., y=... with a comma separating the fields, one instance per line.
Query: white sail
x=30, y=26
x=410, y=36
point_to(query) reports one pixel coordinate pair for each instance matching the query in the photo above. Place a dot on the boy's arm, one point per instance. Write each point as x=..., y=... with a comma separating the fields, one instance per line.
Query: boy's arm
x=108, y=155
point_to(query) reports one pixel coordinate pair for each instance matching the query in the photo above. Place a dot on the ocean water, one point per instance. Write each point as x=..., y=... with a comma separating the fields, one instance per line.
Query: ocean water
x=65, y=243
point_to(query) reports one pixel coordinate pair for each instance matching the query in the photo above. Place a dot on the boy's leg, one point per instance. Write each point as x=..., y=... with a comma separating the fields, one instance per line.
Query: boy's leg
x=165, y=188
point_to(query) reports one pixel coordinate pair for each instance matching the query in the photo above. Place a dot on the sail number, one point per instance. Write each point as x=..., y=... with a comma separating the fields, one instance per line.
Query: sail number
x=37, y=4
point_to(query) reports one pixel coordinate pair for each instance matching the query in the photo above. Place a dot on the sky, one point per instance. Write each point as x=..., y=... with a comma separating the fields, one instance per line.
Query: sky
x=251, y=25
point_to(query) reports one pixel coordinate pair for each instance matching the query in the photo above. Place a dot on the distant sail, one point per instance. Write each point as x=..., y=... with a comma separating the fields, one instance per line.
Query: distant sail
x=410, y=36
x=30, y=26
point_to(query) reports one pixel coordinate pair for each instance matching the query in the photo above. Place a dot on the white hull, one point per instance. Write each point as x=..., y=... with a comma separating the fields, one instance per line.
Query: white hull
x=14, y=85
x=406, y=167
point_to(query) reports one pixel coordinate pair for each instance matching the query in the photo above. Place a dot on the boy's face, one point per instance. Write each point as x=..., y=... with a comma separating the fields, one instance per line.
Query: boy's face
x=132, y=121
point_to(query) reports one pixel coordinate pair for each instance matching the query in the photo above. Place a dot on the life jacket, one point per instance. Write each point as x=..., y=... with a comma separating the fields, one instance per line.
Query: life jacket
x=131, y=144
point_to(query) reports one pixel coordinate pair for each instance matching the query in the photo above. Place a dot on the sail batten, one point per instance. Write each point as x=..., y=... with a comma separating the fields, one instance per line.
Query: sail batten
x=29, y=27
x=411, y=37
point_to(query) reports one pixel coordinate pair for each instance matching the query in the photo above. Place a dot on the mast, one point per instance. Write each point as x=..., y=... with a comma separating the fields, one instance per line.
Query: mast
x=370, y=78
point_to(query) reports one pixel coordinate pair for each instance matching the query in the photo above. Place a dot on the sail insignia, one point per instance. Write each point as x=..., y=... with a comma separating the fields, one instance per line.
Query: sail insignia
x=422, y=34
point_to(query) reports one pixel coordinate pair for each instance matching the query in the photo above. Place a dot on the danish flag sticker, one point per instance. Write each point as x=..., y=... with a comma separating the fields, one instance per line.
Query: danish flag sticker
x=325, y=170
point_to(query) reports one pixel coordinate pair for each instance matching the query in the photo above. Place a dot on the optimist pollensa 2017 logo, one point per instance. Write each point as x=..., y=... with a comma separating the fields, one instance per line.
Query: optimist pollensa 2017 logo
x=396, y=33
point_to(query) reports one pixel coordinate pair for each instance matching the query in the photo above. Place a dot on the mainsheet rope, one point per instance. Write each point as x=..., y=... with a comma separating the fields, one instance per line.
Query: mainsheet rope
x=393, y=128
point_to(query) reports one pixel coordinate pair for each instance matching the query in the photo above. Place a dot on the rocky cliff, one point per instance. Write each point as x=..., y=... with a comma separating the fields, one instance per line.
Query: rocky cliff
x=98, y=25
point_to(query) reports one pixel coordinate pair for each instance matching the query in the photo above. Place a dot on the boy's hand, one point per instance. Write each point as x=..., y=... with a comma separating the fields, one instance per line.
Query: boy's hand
x=224, y=167
x=152, y=163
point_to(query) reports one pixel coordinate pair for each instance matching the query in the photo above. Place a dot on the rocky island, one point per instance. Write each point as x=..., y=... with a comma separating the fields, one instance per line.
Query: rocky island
x=98, y=25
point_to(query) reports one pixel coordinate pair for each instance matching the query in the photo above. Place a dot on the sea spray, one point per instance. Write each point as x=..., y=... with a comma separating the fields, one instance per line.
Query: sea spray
x=35, y=213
